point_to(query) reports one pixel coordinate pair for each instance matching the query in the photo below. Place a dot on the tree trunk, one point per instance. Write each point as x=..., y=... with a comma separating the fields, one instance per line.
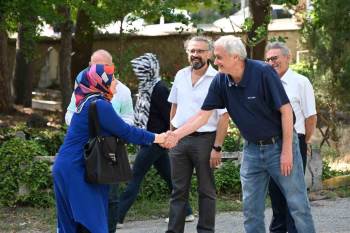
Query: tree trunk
x=83, y=42
x=260, y=11
x=6, y=104
x=65, y=58
x=24, y=72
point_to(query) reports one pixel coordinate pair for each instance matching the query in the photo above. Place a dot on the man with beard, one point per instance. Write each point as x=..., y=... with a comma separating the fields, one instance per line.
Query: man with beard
x=201, y=149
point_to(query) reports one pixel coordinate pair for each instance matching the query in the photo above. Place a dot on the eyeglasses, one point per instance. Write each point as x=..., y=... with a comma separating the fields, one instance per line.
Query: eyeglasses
x=194, y=51
x=273, y=59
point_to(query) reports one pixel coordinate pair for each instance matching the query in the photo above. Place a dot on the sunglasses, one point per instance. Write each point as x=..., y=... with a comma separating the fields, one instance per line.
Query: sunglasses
x=273, y=58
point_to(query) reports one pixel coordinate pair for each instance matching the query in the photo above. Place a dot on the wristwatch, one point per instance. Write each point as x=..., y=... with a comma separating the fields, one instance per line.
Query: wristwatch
x=216, y=148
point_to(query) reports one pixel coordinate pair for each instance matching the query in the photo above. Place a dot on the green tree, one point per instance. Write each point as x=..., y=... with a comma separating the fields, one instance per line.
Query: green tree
x=83, y=37
x=327, y=34
x=6, y=102
x=66, y=28
x=26, y=43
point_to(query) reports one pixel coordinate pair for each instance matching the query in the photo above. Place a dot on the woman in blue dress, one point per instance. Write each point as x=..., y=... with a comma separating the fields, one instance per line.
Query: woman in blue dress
x=83, y=207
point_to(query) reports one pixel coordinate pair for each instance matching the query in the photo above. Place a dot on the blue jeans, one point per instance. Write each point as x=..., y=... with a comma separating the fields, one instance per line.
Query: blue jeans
x=147, y=156
x=258, y=164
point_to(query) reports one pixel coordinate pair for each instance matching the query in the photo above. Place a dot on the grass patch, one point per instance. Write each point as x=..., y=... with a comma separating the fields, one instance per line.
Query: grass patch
x=27, y=219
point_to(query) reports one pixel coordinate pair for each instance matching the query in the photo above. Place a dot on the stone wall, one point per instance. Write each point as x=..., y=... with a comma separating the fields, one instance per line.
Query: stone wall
x=169, y=49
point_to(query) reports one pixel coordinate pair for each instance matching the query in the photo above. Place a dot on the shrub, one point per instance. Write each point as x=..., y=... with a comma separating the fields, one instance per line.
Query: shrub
x=328, y=172
x=233, y=141
x=227, y=178
x=20, y=170
x=227, y=181
x=154, y=187
x=302, y=68
x=51, y=140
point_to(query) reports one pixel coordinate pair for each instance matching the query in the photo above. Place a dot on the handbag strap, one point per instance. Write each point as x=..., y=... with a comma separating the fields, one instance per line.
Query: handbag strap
x=94, y=127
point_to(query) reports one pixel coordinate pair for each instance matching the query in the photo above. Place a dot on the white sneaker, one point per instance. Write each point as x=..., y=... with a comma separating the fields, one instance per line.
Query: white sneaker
x=120, y=225
x=189, y=218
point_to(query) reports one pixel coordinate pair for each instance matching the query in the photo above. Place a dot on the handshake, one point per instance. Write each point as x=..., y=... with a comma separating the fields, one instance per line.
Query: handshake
x=167, y=140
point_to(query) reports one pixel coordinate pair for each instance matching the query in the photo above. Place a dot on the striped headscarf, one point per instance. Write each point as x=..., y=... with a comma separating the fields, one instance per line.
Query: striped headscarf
x=146, y=69
x=95, y=81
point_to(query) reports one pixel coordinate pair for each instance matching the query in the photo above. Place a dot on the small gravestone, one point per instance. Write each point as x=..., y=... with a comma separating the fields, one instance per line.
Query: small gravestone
x=20, y=134
x=313, y=171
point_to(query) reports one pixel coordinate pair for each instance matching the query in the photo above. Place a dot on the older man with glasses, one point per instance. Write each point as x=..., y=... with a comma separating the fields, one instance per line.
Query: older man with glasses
x=259, y=106
x=302, y=98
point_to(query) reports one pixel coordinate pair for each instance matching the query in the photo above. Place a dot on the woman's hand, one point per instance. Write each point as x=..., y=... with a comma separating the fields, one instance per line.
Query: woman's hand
x=160, y=138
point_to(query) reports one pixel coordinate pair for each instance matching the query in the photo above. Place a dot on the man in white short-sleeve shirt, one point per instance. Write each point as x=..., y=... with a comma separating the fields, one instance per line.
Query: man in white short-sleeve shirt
x=200, y=150
x=301, y=96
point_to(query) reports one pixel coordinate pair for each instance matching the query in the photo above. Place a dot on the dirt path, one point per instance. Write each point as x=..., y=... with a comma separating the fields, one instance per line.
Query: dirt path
x=330, y=216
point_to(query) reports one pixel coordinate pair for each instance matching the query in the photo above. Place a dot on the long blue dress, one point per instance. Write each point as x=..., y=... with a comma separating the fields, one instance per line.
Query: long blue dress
x=79, y=202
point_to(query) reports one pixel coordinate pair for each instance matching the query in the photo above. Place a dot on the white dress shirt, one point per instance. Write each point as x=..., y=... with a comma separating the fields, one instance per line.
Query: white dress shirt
x=301, y=96
x=189, y=99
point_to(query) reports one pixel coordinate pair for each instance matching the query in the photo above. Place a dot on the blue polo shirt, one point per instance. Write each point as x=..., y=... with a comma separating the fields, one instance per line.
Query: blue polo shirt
x=253, y=103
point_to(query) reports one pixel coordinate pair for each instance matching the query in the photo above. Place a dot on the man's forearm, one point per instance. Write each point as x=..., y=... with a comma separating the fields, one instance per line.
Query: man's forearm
x=192, y=124
x=310, y=126
x=287, y=127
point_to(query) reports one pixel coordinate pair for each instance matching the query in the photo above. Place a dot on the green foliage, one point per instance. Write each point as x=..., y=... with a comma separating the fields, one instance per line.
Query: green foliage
x=154, y=187
x=132, y=149
x=327, y=40
x=302, y=68
x=20, y=170
x=328, y=172
x=51, y=140
x=292, y=2
x=233, y=140
x=329, y=153
x=227, y=181
x=227, y=178
x=279, y=38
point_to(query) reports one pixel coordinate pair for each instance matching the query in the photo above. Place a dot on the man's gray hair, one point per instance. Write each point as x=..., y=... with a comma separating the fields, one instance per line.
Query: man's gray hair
x=232, y=45
x=278, y=45
x=204, y=39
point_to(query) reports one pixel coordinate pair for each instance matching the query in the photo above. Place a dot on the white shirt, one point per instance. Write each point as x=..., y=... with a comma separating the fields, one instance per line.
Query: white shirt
x=121, y=102
x=301, y=96
x=189, y=99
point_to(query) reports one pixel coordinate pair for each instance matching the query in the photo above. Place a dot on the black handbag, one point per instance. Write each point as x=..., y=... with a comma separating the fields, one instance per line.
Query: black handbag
x=106, y=159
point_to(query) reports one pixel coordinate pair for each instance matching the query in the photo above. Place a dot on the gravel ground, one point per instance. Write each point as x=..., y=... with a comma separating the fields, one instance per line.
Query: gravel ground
x=330, y=216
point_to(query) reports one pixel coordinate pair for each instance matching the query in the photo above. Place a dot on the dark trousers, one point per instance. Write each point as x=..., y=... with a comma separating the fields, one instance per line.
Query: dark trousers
x=82, y=229
x=147, y=156
x=113, y=201
x=192, y=152
x=282, y=221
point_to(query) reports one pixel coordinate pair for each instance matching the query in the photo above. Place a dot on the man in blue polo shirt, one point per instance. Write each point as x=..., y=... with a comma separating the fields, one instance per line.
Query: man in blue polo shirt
x=253, y=95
